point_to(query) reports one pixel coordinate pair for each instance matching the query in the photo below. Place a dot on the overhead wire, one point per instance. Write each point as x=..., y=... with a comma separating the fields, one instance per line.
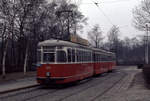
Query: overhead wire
x=109, y=2
x=96, y=3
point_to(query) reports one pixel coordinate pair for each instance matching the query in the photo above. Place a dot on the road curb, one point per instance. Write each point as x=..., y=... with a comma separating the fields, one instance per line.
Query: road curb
x=20, y=88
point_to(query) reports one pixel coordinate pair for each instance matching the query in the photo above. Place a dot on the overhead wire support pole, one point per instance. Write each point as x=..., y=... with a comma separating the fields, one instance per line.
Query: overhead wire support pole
x=146, y=48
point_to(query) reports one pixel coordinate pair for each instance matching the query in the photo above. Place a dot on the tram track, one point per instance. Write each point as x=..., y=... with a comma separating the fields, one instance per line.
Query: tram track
x=79, y=85
x=40, y=92
x=15, y=93
x=29, y=92
x=105, y=91
x=88, y=87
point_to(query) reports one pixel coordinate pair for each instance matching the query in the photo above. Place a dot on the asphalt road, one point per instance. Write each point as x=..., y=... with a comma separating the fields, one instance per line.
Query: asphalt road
x=106, y=87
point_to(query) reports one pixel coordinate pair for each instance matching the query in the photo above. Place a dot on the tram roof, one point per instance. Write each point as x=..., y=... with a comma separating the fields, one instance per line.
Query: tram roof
x=54, y=42
x=102, y=51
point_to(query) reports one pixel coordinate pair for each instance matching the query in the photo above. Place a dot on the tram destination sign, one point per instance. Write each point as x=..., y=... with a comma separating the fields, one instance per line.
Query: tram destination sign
x=79, y=40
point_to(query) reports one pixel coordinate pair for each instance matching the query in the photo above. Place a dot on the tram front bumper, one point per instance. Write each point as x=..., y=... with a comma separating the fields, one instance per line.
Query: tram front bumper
x=48, y=80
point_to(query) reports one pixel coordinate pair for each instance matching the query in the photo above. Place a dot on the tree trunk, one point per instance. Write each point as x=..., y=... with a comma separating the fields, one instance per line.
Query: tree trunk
x=4, y=60
x=26, y=59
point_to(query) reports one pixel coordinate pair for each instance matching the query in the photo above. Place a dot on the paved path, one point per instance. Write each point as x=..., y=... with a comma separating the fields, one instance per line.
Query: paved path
x=16, y=81
x=17, y=84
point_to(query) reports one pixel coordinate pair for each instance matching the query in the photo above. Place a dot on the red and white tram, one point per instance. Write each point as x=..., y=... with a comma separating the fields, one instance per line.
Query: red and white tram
x=62, y=62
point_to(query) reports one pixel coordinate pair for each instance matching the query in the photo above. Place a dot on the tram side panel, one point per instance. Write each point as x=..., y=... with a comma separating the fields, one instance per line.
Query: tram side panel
x=99, y=65
x=64, y=73
x=102, y=63
x=96, y=64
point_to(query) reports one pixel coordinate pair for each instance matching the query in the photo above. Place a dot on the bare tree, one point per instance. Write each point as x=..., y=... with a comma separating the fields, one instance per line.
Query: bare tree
x=71, y=19
x=141, y=15
x=23, y=23
x=113, y=40
x=95, y=36
x=113, y=35
x=7, y=18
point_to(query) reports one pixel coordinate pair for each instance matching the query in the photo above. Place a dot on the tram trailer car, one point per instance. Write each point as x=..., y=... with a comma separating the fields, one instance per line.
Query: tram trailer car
x=62, y=62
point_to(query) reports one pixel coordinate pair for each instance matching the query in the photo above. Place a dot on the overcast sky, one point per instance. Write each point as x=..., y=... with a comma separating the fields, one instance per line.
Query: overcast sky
x=117, y=12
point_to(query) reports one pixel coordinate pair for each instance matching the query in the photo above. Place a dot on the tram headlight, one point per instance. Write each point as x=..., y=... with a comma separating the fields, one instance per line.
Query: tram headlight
x=47, y=73
x=38, y=65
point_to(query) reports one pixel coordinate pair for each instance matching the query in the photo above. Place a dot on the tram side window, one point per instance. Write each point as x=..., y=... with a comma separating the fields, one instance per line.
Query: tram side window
x=109, y=58
x=89, y=56
x=106, y=58
x=94, y=57
x=113, y=58
x=85, y=56
x=97, y=58
x=73, y=55
x=102, y=57
x=61, y=56
x=77, y=54
x=48, y=57
x=69, y=55
x=80, y=56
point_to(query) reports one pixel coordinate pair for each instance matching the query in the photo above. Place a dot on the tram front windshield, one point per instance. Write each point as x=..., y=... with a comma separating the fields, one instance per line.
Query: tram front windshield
x=54, y=55
x=49, y=57
x=49, y=54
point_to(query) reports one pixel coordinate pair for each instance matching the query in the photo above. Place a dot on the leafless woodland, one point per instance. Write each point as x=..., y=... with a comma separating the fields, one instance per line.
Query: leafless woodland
x=24, y=23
